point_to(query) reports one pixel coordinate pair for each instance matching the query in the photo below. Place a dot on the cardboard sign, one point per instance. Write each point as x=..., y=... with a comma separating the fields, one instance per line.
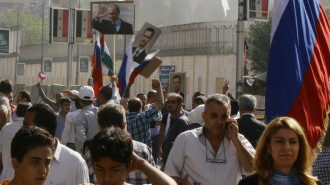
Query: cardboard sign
x=151, y=67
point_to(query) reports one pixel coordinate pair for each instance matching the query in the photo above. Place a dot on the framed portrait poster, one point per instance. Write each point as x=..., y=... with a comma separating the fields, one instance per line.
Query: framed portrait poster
x=177, y=82
x=47, y=64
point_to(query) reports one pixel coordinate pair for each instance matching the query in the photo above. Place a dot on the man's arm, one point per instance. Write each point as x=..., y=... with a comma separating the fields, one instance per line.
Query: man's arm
x=115, y=91
x=160, y=98
x=154, y=175
x=244, y=156
x=44, y=97
x=3, y=116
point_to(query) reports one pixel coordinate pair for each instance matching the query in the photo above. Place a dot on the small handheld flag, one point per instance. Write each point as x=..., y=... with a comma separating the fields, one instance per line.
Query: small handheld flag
x=41, y=75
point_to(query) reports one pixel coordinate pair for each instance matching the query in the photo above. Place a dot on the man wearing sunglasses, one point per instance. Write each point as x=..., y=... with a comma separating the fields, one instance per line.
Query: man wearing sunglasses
x=214, y=153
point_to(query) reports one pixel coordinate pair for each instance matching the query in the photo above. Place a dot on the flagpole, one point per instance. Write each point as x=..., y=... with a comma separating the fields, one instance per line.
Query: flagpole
x=114, y=54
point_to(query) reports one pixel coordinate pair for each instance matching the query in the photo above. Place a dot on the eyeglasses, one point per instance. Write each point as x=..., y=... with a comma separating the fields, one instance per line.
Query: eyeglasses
x=215, y=160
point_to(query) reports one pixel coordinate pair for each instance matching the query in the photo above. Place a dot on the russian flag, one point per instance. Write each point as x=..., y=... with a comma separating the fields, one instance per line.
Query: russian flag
x=97, y=66
x=298, y=71
x=130, y=69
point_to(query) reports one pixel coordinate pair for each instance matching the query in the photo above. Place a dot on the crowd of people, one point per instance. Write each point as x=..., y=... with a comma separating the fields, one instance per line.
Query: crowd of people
x=149, y=139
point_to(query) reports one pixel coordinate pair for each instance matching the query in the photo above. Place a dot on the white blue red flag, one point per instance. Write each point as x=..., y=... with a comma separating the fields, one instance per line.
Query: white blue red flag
x=129, y=69
x=97, y=66
x=298, y=66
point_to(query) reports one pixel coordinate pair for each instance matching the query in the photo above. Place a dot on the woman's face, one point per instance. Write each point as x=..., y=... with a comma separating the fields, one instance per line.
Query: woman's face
x=284, y=149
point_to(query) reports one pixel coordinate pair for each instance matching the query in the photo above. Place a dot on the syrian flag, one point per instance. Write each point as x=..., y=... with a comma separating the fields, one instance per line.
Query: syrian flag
x=97, y=66
x=84, y=24
x=107, y=64
x=60, y=25
x=298, y=66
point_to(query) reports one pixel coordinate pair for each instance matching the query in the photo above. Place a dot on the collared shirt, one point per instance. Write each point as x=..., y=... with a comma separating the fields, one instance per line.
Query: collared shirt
x=6, y=136
x=115, y=96
x=50, y=102
x=321, y=166
x=140, y=149
x=4, y=101
x=67, y=167
x=188, y=156
x=178, y=124
x=138, y=125
x=118, y=23
x=60, y=126
x=86, y=124
x=68, y=135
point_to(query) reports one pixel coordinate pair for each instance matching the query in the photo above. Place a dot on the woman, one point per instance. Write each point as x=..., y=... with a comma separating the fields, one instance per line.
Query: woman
x=283, y=156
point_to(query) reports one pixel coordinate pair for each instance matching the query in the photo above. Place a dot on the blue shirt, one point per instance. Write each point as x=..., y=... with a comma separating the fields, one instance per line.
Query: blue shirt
x=281, y=178
x=60, y=126
x=138, y=125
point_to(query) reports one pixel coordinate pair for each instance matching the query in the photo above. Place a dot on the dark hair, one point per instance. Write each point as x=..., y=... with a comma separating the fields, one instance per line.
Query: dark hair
x=45, y=117
x=151, y=94
x=152, y=30
x=106, y=92
x=6, y=86
x=178, y=97
x=134, y=105
x=25, y=94
x=196, y=94
x=177, y=76
x=85, y=102
x=111, y=114
x=234, y=106
x=115, y=143
x=76, y=103
x=22, y=108
x=140, y=94
x=29, y=138
x=65, y=100
x=117, y=7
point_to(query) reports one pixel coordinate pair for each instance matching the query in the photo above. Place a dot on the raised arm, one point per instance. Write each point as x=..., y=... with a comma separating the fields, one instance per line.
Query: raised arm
x=43, y=95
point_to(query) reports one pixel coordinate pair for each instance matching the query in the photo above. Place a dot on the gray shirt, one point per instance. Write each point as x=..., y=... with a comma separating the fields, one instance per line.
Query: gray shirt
x=86, y=124
x=50, y=102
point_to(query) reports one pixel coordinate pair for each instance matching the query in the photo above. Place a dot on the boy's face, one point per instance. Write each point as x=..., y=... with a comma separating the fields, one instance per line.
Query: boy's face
x=34, y=167
x=109, y=172
x=65, y=107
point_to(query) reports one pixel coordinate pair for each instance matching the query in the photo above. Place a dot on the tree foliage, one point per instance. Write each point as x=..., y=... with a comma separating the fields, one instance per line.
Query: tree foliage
x=30, y=24
x=258, y=41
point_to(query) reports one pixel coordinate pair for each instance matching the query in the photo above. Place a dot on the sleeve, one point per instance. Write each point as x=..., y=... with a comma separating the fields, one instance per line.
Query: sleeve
x=115, y=96
x=67, y=129
x=249, y=147
x=151, y=114
x=175, y=160
x=45, y=98
x=150, y=158
x=82, y=171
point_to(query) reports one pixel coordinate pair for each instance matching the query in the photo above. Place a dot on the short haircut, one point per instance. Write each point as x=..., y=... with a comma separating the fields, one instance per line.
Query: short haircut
x=106, y=92
x=219, y=99
x=152, y=30
x=45, y=117
x=6, y=86
x=117, y=7
x=197, y=94
x=140, y=94
x=247, y=102
x=178, y=97
x=115, y=143
x=85, y=102
x=111, y=115
x=25, y=94
x=77, y=104
x=151, y=94
x=22, y=108
x=234, y=106
x=134, y=105
x=29, y=138
x=177, y=76
x=65, y=100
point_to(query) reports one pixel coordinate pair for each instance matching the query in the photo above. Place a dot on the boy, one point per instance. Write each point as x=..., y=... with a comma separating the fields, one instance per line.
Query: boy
x=112, y=153
x=31, y=151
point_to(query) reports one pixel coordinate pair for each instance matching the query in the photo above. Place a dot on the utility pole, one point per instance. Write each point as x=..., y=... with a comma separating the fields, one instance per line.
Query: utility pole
x=70, y=45
x=240, y=49
x=16, y=61
x=42, y=39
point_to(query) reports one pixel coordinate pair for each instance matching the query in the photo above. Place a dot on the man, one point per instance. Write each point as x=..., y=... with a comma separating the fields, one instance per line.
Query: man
x=193, y=98
x=109, y=95
x=138, y=122
x=6, y=87
x=143, y=99
x=199, y=100
x=248, y=125
x=178, y=123
x=234, y=109
x=86, y=122
x=213, y=154
x=55, y=105
x=177, y=85
x=139, y=53
x=12, y=106
x=61, y=116
x=23, y=96
x=114, y=25
x=113, y=115
x=67, y=166
x=113, y=157
x=31, y=151
x=9, y=130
